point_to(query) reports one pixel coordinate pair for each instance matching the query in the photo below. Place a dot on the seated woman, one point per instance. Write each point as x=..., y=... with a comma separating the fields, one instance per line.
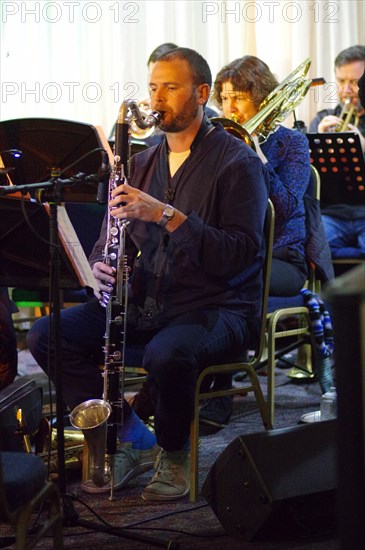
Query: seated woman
x=239, y=89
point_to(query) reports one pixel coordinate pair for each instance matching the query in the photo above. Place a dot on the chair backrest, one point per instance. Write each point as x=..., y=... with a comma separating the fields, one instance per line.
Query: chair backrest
x=269, y=239
x=317, y=249
x=314, y=185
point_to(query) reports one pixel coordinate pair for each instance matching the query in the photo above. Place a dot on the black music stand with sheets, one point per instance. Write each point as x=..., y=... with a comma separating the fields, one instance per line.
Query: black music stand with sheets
x=339, y=160
x=51, y=142
x=24, y=258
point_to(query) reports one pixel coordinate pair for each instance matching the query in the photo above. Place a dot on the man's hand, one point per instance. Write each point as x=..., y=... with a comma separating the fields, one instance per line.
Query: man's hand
x=328, y=124
x=105, y=276
x=129, y=202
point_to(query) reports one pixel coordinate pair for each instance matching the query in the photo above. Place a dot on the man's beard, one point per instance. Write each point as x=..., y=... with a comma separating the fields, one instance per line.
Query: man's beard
x=183, y=120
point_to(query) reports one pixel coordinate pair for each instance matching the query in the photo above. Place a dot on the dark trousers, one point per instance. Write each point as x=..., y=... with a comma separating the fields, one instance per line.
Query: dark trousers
x=173, y=356
x=287, y=279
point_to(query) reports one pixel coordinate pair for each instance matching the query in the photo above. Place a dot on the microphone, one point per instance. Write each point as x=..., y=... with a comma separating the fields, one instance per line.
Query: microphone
x=103, y=176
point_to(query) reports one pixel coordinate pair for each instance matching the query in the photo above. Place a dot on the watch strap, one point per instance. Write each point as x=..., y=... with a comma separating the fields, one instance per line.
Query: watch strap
x=166, y=217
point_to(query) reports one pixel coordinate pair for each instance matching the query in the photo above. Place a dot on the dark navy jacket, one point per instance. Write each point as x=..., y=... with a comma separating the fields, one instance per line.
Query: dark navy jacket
x=214, y=259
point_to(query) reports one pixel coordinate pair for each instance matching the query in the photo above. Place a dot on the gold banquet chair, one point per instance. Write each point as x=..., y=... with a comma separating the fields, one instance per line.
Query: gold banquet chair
x=247, y=367
x=24, y=491
x=293, y=306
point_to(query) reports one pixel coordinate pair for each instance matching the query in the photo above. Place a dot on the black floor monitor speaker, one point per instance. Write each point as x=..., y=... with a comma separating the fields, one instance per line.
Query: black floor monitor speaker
x=346, y=295
x=275, y=483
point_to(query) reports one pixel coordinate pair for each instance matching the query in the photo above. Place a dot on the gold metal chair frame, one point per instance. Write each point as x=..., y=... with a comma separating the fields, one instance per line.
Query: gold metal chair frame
x=306, y=356
x=139, y=374
x=248, y=367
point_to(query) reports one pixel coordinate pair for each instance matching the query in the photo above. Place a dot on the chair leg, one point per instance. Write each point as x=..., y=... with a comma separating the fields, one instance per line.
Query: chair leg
x=262, y=405
x=271, y=375
x=21, y=528
x=49, y=494
x=194, y=451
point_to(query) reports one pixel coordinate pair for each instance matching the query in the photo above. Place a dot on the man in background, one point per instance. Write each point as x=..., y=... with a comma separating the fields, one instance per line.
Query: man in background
x=344, y=224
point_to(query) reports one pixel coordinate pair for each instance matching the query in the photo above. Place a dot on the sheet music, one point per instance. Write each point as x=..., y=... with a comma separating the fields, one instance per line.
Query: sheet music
x=74, y=250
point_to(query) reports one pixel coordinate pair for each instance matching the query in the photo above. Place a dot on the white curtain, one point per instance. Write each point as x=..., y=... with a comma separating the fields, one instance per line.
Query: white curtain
x=77, y=60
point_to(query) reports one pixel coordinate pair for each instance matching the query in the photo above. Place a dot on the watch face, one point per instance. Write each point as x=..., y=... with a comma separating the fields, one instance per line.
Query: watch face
x=168, y=211
x=167, y=215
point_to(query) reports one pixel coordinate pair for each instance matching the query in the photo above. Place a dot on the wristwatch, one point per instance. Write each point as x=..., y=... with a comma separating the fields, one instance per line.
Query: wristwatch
x=167, y=215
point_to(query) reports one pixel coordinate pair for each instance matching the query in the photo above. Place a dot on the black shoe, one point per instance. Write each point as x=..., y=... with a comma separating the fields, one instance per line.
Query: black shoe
x=240, y=376
x=216, y=411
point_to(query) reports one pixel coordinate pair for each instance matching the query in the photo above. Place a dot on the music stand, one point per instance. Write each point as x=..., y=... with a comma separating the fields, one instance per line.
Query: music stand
x=58, y=266
x=51, y=146
x=24, y=259
x=339, y=160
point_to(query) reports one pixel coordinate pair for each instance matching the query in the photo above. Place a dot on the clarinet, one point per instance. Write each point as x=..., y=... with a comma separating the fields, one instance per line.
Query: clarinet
x=116, y=303
x=99, y=418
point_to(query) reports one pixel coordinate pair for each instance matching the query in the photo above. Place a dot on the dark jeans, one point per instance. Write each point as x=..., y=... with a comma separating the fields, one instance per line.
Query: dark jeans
x=345, y=237
x=287, y=279
x=172, y=356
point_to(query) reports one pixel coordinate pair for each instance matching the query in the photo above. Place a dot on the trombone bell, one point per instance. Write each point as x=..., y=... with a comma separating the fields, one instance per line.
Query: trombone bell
x=236, y=129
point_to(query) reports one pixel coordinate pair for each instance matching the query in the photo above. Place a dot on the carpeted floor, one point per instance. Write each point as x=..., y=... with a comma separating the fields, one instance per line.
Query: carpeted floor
x=189, y=525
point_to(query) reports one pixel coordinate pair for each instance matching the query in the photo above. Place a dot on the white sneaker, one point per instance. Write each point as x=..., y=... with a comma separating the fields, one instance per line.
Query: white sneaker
x=129, y=463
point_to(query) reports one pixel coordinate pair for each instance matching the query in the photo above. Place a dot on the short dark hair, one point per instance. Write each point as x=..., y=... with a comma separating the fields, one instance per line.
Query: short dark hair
x=349, y=55
x=160, y=50
x=246, y=74
x=199, y=67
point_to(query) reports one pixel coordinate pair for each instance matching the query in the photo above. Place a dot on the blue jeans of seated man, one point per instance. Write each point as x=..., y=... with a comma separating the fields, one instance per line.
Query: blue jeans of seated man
x=346, y=238
x=172, y=356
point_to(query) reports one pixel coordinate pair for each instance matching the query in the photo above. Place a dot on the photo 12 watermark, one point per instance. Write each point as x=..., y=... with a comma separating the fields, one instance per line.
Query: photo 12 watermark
x=327, y=94
x=70, y=92
x=270, y=11
x=70, y=12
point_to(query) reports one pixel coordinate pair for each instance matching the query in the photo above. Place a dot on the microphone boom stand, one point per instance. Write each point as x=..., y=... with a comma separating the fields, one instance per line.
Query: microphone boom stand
x=70, y=516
